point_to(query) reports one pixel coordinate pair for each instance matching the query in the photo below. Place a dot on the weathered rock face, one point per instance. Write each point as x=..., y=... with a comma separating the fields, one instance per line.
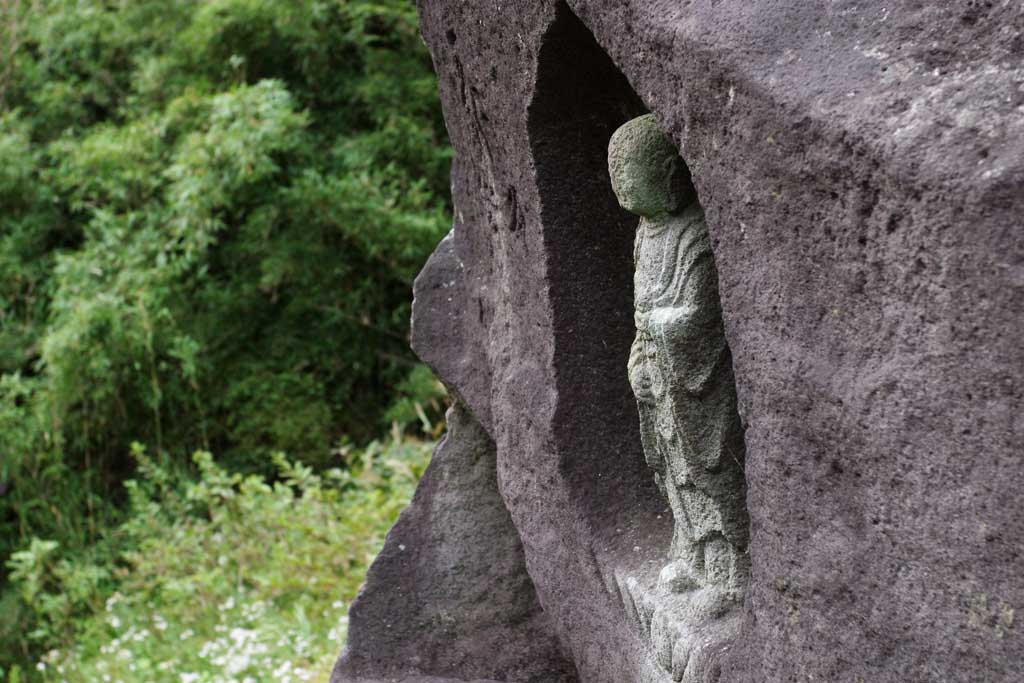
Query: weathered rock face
x=861, y=171
x=450, y=593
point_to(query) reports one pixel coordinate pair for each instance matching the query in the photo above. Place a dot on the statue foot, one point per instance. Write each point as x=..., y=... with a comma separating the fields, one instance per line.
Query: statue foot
x=712, y=602
x=691, y=631
x=690, y=646
x=697, y=657
x=688, y=628
x=676, y=577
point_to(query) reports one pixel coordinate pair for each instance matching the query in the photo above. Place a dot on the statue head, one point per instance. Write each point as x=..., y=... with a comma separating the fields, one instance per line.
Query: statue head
x=648, y=177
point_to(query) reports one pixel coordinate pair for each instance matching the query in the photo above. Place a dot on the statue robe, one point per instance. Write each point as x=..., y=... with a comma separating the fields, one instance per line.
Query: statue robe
x=681, y=372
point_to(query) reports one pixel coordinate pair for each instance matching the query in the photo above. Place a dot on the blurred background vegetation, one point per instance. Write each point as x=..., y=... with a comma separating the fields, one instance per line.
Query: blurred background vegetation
x=211, y=213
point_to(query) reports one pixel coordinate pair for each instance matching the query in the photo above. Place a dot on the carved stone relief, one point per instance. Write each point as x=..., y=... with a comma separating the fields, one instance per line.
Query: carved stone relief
x=681, y=372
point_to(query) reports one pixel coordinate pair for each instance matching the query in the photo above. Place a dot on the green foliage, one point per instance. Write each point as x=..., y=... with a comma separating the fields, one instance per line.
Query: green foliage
x=211, y=212
x=421, y=396
x=256, y=587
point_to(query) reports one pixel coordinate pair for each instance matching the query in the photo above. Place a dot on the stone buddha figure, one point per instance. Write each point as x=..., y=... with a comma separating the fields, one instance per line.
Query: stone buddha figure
x=680, y=369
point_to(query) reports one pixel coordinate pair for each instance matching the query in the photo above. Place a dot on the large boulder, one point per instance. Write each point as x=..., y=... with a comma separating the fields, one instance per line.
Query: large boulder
x=861, y=169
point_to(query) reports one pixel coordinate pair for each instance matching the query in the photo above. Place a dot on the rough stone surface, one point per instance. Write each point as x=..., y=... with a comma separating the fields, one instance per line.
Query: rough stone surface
x=861, y=169
x=449, y=593
x=446, y=310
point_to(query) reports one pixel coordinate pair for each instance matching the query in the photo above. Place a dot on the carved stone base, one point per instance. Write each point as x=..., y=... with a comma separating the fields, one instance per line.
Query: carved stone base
x=689, y=632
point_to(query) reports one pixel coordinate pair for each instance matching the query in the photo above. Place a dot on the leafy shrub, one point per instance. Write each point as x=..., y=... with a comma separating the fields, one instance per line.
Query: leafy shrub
x=225, y=578
x=212, y=211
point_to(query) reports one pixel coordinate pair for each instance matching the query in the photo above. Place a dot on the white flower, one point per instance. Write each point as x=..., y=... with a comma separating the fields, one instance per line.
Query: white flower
x=208, y=648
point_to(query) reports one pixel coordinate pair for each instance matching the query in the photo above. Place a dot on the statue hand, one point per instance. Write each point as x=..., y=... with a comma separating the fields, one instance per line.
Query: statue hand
x=639, y=372
x=674, y=321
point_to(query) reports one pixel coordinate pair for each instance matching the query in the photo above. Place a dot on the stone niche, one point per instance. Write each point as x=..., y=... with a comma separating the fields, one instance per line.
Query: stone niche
x=861, y=171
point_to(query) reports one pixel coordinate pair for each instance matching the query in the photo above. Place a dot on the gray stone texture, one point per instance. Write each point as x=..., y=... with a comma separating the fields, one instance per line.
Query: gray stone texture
x=861, y=170
x=449, y=594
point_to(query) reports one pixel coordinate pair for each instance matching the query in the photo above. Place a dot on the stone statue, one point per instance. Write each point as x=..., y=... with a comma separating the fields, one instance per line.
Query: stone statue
x=681, y=372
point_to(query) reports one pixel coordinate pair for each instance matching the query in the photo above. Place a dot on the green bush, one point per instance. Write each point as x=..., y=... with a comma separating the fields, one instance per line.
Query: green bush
x=225, y=578
x=211, y=212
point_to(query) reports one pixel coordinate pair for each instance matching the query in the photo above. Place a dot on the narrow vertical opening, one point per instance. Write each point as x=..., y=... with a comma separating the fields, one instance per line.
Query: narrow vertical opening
x=676, y=557
x=580, y=100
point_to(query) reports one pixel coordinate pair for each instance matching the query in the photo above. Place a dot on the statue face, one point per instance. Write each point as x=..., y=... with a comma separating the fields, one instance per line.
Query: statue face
x=643, y=165
x=642, y=186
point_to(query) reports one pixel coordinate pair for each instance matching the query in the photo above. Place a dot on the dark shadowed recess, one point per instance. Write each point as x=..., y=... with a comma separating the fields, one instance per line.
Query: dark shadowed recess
x=581, y=98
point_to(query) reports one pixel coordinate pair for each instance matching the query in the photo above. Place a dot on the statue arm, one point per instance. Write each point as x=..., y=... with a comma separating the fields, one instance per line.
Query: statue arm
x=690, y=331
